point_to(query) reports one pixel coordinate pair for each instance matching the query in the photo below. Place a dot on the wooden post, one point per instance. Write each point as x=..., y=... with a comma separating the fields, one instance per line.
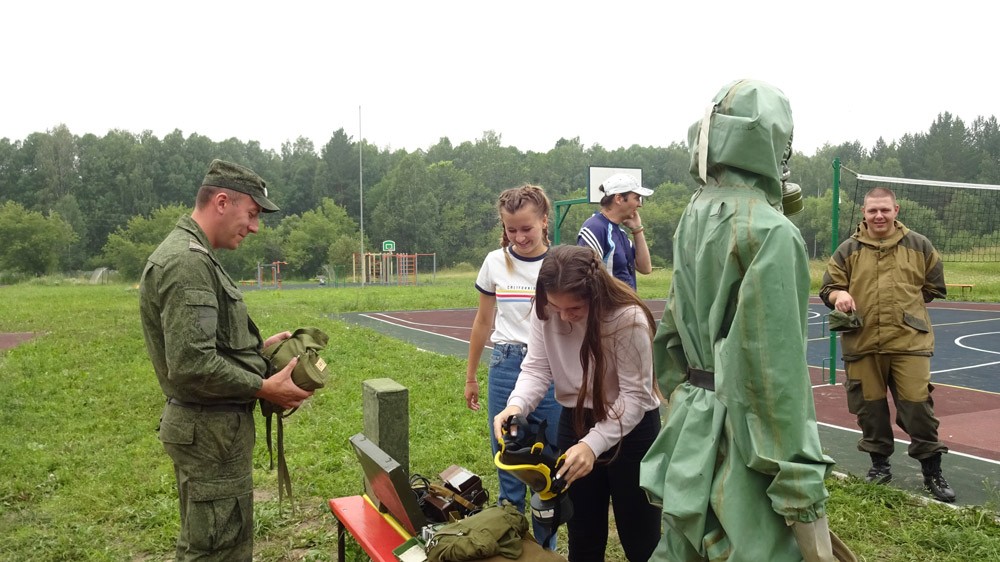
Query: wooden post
x=386, y=418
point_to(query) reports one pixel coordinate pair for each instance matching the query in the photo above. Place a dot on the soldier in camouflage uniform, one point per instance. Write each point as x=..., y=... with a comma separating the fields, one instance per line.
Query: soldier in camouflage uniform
x=206, y=352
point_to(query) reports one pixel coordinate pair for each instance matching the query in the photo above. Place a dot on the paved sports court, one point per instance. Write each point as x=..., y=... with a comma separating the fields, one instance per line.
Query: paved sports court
x=965, y=374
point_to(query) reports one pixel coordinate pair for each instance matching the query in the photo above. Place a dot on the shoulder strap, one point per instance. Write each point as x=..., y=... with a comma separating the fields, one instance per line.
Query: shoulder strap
x=448, y=494
x=270, y=411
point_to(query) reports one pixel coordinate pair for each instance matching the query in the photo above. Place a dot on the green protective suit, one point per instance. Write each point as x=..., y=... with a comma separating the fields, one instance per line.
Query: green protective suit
x=731, y=465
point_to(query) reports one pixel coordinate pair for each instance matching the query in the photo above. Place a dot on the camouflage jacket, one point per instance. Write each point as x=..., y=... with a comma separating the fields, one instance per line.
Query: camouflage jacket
x=890, y=280
x=203, y=345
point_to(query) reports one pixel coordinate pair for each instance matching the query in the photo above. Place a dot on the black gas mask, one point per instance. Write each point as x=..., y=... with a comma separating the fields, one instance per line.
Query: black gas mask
x=523, y=453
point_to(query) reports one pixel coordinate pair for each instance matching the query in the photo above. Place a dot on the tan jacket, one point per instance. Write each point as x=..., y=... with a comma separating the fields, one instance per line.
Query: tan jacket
x=890, y=280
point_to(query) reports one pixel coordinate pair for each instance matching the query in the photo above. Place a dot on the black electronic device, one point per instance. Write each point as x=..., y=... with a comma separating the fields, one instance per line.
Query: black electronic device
x=389, y=482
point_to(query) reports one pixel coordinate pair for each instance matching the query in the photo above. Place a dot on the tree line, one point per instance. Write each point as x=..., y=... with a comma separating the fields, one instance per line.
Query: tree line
x=77, y=202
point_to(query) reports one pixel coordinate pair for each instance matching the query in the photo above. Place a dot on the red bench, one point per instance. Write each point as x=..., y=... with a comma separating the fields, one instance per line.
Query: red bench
x=372, y=530
x=378, y=533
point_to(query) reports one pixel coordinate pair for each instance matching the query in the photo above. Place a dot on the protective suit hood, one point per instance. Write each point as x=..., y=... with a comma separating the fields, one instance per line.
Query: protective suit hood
x=743, y=139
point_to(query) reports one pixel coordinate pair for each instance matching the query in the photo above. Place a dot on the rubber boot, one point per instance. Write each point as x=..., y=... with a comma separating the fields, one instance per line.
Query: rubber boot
x=813, y=540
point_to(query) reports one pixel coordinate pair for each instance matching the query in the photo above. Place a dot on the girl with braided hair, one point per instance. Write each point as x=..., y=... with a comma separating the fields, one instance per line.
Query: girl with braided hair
x=506, y=285
x=592, y=337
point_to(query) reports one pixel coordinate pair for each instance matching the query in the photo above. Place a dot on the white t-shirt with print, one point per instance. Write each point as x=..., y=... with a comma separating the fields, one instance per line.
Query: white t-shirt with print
x=514, y=290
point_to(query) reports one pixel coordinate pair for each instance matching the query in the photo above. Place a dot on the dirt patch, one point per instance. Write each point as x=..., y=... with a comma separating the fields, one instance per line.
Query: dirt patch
x=13, y=339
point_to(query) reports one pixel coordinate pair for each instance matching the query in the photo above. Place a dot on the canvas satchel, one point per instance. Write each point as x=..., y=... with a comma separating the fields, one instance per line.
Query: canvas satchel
x=494, y=530
x=309, y=374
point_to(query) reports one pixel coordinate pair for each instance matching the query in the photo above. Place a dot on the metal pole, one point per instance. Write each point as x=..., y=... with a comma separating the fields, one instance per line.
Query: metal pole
x=562, y=209
x=361, y=187
x=834, y=242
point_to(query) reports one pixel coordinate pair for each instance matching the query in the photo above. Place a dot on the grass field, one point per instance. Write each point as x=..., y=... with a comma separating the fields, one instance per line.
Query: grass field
x=84, y=477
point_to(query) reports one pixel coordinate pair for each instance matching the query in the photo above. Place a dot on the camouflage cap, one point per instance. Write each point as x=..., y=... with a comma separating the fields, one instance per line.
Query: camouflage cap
x=843, y=321
x=239, y=178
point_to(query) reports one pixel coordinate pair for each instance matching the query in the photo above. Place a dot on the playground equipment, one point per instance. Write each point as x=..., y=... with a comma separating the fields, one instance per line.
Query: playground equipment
x=275, y=268
x=390, y=268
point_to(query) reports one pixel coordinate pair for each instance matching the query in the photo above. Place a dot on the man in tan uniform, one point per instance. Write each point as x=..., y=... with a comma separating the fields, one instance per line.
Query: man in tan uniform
x=886, y=273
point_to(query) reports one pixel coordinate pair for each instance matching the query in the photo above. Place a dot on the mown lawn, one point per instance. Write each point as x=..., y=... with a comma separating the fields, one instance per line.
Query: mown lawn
x=84, y=477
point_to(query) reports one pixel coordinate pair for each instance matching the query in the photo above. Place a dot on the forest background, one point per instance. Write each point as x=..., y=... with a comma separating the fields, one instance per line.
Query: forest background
x=71, y=203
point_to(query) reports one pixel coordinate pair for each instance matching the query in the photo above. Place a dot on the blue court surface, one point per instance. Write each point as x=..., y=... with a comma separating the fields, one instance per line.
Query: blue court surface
x=965, y=374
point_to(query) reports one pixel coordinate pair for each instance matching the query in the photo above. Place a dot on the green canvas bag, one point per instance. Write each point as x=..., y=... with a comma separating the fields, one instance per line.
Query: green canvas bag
x=494, y=530
x=309, y=374
x=305, y=343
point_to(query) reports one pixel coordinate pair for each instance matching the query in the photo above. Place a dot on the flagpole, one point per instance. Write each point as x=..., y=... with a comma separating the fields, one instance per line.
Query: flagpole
x=361, y=186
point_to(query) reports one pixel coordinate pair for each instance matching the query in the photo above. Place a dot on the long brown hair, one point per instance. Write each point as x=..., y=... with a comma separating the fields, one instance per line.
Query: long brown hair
x=578, y=271
x=513, y=200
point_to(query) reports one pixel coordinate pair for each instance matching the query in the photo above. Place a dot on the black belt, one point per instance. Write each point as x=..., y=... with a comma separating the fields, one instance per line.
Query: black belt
x=701, y=379
x=223, y=407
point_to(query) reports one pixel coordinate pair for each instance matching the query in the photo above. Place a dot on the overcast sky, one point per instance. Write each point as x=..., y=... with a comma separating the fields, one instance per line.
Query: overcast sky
x=612, y=73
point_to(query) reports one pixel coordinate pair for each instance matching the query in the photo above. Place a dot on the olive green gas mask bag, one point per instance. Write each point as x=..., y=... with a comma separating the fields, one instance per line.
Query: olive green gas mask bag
x=309, y=374
x=305, y=343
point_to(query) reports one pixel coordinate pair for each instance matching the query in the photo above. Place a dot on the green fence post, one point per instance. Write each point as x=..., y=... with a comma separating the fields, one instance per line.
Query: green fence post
x=834, y=242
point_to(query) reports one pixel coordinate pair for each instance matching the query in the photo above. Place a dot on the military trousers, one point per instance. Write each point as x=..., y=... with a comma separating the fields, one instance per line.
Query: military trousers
x=212, y=452
x=870, y=379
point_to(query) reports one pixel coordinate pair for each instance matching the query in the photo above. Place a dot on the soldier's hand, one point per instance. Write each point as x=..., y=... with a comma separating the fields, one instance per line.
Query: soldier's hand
x=280, y=336
x=280, y=389
x=845, y=302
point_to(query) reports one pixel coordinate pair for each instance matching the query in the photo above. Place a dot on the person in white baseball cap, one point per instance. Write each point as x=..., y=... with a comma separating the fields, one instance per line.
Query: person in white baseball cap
x=605, y=230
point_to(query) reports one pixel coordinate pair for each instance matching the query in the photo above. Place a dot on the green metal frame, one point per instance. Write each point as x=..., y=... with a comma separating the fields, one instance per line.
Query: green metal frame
x=562, y=208
x=834, y=242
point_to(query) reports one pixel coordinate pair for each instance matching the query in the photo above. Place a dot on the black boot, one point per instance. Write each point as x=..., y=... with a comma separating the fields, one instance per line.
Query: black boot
x=881, y=471
x=934, y=481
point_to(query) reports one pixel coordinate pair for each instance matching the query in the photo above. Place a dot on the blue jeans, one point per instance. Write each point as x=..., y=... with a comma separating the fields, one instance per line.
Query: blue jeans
x=505, y=366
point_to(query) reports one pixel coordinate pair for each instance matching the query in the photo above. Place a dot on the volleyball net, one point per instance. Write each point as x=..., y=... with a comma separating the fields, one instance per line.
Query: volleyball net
x=962, y=220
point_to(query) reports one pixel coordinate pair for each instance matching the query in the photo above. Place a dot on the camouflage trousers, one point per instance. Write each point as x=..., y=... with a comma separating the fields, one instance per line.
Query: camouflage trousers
x=908, y=378
x=212, y=454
